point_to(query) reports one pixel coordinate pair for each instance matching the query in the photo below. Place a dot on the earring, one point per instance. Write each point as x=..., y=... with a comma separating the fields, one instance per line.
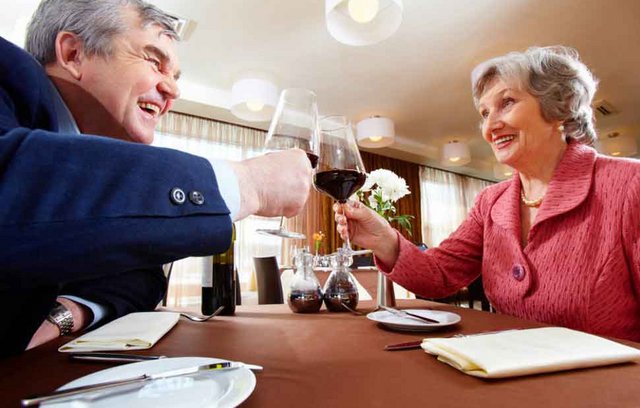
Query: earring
x=561, y=128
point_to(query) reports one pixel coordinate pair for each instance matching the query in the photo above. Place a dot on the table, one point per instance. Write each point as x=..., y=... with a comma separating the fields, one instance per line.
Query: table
x=337, y=360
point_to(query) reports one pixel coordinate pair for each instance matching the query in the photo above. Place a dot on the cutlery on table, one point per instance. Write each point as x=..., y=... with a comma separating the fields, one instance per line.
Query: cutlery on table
x=141, y=379
x=404, y=313
x=111, y=357
x=416, y=344
x=195, y=318
x=403, y=346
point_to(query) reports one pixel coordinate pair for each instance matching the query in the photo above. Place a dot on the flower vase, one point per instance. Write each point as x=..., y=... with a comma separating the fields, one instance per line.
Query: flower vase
x=385, y=293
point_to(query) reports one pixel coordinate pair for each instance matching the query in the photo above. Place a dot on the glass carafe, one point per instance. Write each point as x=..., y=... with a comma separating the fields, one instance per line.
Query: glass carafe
x=305, y=293
x=340, y=290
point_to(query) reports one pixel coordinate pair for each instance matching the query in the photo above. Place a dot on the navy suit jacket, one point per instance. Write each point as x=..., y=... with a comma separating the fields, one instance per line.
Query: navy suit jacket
x=87, y=215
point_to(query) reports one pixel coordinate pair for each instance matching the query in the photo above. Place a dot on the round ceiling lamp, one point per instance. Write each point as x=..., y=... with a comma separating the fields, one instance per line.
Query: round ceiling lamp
x=455, y=154
x=375, y=132
x=253, y=99
x=615, y=144
x=502, y=171
x=362, y=22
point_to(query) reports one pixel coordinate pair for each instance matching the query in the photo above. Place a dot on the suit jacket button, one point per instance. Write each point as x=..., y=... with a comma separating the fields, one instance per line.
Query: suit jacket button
x=177, y=196
x=518, y=272
x=196, y=197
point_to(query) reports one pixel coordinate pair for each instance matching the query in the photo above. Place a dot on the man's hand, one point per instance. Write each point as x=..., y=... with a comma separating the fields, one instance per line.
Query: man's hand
x=273, y=184
x=49, y=331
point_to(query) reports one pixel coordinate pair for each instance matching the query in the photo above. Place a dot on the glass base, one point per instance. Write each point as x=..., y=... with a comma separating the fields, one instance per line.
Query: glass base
x=282, y=233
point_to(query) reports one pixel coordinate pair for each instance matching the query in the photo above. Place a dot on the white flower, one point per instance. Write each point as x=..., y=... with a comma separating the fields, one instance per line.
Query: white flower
x=399, y=190
x=369, y=182
x=385, y=179
x=385, y=188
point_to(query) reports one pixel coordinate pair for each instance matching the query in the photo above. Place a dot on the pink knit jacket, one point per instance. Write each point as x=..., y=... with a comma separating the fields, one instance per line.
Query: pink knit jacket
x=581, y=265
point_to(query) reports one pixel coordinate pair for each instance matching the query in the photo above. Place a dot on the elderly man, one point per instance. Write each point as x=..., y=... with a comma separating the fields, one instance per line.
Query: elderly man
x=87, y=221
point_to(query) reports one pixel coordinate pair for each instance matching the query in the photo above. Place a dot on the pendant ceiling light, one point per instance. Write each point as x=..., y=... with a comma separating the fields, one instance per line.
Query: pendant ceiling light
x=254, y=99
x=615, y=144
x=502, y=171
x=455, y=153
x=375, y=132
x=362, y=22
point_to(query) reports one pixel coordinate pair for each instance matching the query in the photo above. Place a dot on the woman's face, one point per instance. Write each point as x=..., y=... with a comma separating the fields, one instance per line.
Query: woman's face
x=513, y=125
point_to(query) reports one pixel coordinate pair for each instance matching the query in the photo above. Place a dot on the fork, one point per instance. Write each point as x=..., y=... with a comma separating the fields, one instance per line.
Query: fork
x=398, y=312
x=200, y=319
x=358, y=312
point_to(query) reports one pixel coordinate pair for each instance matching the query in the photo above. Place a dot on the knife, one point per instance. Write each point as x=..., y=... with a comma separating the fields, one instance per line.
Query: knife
x=404, y=313
x=71, y=392
x=111, y=357
x=416, y=344
x=403, y=346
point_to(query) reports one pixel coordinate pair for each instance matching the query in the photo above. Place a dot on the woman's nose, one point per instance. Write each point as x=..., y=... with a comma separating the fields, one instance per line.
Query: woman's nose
x=492, y=123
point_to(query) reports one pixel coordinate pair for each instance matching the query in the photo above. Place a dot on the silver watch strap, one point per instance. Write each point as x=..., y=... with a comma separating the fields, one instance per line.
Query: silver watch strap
x=61, y=317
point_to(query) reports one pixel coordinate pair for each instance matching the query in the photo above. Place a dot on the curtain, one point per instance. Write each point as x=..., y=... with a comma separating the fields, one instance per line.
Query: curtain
x=446, y=199
x=216, y=140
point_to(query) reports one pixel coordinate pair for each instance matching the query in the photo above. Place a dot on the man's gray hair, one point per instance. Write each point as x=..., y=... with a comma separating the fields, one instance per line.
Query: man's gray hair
x=563, y=85
x=96, y=22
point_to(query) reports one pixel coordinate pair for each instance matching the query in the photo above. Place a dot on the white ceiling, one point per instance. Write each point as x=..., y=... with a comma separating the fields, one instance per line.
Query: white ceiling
x=419, y=77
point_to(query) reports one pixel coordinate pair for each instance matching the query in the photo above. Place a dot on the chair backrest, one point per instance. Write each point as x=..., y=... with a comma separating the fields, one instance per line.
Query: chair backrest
x=362, y=260
x=268, y=280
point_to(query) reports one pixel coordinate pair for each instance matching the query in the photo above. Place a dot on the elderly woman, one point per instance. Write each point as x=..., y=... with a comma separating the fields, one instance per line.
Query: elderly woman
x=559, y=242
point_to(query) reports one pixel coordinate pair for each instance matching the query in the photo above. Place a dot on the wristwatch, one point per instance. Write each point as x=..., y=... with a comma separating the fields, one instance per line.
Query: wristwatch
x=61, y=317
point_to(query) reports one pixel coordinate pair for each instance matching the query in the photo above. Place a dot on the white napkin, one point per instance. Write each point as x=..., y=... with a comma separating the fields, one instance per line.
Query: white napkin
x=135, y=331
x=532, y=351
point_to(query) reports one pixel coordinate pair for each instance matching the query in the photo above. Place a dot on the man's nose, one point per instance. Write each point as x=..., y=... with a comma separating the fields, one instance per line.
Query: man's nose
x=169, y=87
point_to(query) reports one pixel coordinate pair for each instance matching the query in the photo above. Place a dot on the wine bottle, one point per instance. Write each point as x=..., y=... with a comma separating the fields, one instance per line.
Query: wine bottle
x=219, y=281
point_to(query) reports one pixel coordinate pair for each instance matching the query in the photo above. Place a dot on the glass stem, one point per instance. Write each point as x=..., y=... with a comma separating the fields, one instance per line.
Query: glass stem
x=347, y=242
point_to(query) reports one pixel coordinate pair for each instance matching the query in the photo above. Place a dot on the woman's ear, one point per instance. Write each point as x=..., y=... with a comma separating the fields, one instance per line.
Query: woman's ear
x=70, y=53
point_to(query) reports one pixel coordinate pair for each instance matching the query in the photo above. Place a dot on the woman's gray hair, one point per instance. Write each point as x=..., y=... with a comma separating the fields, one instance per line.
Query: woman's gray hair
x=96, y=22
x=563, y=85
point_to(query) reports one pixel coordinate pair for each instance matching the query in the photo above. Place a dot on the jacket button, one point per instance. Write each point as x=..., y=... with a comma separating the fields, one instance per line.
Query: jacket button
x=196, y=197
x=177, y=196
x=518, y=272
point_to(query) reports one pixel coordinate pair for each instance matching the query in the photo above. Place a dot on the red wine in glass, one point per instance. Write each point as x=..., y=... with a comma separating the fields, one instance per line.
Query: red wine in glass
x=313, y=158
x=339, y=184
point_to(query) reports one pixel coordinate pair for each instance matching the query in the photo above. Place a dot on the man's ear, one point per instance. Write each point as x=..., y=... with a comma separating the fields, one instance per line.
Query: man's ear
x=70, y=53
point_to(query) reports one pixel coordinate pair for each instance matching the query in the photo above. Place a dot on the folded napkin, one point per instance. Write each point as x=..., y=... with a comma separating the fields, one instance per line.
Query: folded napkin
x=135, y=331
x=532, y=351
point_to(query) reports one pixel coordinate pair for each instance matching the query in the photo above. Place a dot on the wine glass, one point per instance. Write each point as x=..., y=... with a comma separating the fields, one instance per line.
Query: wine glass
x=294, y=125
x=340, y=171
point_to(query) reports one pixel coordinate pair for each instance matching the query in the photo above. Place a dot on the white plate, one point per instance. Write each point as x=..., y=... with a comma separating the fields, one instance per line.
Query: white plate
x=216, y=389
x=411, y=324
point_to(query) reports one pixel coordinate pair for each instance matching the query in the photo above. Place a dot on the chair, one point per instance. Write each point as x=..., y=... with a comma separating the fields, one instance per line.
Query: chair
x=268, y=280
x=166, y=269
x=476, y=293
x=362, y=260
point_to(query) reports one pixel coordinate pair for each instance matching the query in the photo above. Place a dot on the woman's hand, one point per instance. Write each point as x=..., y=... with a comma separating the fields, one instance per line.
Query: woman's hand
x=367, y=229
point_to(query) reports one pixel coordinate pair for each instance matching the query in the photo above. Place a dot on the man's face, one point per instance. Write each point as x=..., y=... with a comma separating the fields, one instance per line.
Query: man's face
x=137, y=84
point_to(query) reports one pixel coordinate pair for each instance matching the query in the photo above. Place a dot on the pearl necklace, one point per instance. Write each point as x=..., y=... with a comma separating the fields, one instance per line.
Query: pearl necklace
x=530, y=203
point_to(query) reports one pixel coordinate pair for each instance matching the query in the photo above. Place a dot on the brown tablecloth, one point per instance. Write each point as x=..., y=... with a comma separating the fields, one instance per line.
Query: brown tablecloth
x=337, y=360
